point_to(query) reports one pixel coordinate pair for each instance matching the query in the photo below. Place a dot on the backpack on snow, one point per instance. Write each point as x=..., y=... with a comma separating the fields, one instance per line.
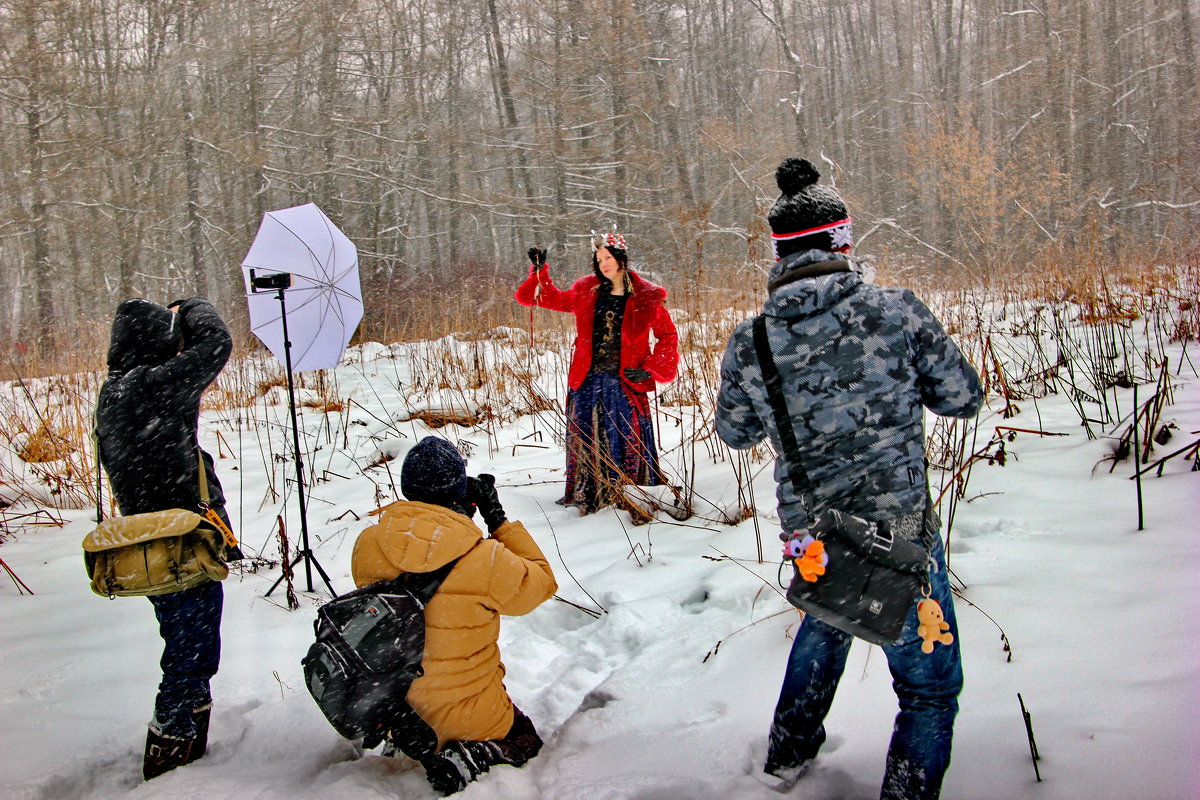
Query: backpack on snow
x=368, y=651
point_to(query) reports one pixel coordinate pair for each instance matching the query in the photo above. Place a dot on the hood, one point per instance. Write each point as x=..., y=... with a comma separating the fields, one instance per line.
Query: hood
x=143, y=334
x=797, y=294
x=413, y=537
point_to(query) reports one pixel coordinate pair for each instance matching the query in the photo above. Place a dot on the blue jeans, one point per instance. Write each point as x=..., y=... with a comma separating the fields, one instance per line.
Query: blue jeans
x=927, y=686
x=189, y=623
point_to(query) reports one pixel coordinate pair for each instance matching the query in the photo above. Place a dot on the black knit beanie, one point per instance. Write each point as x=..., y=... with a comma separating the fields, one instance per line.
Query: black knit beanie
x=434, y=472
x=808, y=215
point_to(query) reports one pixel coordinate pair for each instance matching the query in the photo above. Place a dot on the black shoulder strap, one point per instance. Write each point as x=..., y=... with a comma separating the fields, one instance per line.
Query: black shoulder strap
x=783, y=421
x=99, y=480
x=422, y=585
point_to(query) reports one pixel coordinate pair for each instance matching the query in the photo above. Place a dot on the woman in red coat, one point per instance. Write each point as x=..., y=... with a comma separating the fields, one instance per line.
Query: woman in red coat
x=610, y=436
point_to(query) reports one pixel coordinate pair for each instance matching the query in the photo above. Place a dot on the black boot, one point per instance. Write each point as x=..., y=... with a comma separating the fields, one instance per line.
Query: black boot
x=200, y=746
x=164, y=753
x=459, y=763
x=443, y=775
x=522, y=742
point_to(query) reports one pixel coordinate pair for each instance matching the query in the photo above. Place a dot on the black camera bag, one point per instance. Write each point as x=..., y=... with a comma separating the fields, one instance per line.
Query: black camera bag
x=368, y=651
x=870, y=583
x=873, y=576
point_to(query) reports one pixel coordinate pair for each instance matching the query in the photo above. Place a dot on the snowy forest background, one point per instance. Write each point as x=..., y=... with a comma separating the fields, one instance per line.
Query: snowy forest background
x=143, y=139
x=1030, y=168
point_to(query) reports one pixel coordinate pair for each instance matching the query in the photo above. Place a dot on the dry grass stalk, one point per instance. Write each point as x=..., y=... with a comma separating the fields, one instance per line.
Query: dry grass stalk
x=1068, y=327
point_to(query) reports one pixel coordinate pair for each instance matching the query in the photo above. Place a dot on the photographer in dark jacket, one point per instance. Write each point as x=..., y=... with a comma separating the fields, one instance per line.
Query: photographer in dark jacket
x=160, y=361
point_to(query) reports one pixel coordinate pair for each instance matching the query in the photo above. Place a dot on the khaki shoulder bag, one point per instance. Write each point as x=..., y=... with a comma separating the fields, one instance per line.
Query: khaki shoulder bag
x=158, y=552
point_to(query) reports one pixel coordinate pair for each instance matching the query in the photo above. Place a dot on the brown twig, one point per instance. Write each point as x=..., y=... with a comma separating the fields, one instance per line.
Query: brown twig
x=20, y=583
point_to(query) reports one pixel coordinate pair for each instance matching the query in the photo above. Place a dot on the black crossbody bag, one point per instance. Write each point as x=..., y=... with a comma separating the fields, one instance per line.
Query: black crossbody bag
x=873, y=576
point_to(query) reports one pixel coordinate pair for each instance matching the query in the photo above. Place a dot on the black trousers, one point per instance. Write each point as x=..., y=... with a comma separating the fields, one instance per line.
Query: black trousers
x=522, y=742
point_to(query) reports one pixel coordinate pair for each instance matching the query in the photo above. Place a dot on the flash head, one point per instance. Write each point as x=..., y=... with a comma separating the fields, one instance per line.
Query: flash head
x=270, y=282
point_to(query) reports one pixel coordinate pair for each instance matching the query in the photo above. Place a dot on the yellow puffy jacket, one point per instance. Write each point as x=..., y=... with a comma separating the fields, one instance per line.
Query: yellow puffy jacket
x=462, y=694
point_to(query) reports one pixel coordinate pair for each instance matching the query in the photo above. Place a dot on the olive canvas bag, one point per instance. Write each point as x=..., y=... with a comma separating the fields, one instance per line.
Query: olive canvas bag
x=158, y=552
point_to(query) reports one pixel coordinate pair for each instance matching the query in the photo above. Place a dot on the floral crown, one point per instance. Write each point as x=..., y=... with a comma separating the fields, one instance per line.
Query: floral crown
x=611, y=239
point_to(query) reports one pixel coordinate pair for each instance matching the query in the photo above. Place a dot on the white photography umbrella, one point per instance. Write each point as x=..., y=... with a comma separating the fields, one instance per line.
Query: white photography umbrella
x=324, y=300
x=305, y=303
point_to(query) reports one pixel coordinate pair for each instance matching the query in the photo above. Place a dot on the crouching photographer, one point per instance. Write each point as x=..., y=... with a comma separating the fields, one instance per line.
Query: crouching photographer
x=461, y=694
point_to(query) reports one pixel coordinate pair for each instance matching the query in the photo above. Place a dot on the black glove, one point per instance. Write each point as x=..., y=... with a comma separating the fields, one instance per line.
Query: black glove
x=636, y=374
x=537, y=257
x=482, y=492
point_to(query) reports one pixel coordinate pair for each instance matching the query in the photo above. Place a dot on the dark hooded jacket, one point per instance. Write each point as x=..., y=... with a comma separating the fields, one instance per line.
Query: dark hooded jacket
x=159, y=363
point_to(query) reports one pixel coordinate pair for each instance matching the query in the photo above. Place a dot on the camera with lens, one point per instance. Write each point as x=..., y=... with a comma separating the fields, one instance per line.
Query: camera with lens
x=481, y=494
x=271, y=282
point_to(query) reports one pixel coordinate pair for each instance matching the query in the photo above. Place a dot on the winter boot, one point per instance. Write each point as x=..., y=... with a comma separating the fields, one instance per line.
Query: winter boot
x=782, y=778
x=459, y=763
x=200, y=746
x=522, y=742
x=164, y=753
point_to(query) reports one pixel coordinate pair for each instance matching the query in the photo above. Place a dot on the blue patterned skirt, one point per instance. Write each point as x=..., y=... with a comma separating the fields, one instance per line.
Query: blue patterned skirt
x=610, y=442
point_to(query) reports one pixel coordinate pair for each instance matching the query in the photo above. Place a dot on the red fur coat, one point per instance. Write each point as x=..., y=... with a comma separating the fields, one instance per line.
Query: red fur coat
x=645, y=313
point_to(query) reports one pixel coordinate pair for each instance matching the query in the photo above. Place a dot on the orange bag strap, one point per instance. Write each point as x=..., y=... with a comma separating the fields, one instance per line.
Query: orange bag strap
x=210, y=513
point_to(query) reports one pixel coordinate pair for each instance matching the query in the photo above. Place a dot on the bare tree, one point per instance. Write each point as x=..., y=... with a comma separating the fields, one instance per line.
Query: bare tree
x=147, y=137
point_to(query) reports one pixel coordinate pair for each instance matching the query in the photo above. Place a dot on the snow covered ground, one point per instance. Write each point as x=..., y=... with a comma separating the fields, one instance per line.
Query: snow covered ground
x=638, y=702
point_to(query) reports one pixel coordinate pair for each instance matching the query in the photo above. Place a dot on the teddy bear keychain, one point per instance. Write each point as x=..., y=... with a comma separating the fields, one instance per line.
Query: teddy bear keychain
x=932, y=624
x=808, y=554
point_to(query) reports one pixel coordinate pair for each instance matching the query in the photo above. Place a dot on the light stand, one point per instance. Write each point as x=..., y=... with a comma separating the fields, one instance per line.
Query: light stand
x=279, y=283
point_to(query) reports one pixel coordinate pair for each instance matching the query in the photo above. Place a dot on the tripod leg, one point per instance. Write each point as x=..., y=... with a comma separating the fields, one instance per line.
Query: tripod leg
x=308, y=557
x=325, y=577
x=275, y=585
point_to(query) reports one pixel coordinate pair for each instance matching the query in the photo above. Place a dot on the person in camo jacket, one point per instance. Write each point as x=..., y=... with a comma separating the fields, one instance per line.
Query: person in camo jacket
x=859, y=365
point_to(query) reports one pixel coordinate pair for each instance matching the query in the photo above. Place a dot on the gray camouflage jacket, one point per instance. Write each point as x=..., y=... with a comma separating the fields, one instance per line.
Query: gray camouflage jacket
x=858, y=363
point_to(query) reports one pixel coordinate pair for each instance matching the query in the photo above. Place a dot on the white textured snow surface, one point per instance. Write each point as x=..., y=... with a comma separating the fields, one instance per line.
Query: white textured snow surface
x=638, y=703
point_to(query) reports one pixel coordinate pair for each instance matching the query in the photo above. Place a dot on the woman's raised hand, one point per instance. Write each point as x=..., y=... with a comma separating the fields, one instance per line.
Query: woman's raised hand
x=537, y=257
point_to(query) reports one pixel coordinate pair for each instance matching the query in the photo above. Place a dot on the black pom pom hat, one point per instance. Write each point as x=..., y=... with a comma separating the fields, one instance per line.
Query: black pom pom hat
x=808, y=215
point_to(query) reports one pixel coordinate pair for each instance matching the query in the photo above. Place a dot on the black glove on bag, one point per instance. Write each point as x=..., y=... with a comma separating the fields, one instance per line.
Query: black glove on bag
x=636, y=374
x=482, y=490
x=537, y=257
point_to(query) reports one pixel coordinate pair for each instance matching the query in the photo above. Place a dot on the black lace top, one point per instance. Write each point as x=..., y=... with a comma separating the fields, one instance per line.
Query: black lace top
x=606, y=332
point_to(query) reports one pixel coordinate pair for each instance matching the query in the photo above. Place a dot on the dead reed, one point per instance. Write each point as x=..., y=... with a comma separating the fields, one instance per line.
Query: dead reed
x=477, y=361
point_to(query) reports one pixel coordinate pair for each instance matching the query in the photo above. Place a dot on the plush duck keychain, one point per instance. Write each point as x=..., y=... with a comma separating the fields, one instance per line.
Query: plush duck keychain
x=809, y=556
x=933, y=627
